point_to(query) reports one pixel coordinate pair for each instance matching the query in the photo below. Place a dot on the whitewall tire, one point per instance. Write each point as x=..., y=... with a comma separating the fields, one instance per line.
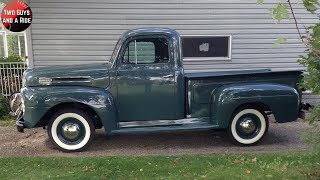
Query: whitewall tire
x=71, y=130
x=248, y=126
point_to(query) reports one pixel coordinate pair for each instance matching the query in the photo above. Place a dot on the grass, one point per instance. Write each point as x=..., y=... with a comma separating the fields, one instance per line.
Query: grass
x=260, y=166
x=7, y=121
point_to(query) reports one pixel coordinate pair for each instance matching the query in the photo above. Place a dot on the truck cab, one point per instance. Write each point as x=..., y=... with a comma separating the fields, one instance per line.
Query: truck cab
x=149, y=76
x=144, y=88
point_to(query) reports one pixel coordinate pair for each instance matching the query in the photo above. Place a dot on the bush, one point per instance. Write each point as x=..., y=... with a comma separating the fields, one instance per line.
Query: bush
x=313, y=135
x=4, y=107
x=11, y=59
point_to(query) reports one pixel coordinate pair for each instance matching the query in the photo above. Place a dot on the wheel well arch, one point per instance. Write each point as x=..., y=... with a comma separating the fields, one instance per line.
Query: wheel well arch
x=80, y=106
x=259, y=105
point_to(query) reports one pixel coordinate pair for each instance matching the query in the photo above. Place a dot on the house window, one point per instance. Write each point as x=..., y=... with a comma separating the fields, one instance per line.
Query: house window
x=206, y=47
x=16, y=45
x=146, y=51
x=12, y=44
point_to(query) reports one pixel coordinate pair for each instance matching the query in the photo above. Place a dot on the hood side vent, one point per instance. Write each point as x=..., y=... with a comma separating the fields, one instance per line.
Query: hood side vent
x=72, y=79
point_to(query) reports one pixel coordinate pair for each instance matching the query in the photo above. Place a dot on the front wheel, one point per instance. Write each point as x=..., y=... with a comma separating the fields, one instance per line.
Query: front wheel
x=71, y=130
x=248, y=126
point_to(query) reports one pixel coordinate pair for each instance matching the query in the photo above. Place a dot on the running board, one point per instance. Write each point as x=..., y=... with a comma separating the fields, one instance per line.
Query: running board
x=152, y=123
x=179, y=127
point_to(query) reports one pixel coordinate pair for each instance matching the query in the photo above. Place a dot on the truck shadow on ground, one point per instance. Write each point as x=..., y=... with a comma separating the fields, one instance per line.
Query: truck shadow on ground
x=182, y=142
x=196, y=142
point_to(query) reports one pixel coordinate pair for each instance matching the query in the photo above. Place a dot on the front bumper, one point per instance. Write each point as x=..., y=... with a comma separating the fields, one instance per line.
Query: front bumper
x=18, y=111
x=20, y=121
x=20, y=125
x=303, y=108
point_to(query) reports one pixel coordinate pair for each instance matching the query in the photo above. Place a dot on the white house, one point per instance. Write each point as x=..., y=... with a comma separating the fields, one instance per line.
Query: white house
x=67, y=32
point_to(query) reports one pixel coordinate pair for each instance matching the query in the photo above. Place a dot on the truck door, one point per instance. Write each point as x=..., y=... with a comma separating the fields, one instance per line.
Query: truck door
x=146, y=80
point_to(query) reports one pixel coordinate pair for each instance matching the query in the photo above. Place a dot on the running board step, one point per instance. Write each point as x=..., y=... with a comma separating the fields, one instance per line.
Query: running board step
x=200, y=126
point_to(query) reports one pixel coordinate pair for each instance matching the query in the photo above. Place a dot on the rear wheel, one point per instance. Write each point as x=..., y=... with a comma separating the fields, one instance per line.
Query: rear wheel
x=248, y=126
x=71, y=130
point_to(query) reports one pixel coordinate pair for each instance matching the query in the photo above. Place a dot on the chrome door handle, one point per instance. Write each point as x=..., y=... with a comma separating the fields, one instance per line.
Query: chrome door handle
x=168, y=76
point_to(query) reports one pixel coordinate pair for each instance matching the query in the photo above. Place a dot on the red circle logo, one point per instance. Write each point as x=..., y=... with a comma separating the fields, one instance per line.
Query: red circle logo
x=16, y=16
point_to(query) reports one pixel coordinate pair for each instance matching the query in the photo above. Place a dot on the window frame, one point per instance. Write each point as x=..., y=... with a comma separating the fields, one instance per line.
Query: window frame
x=127, y=41
x=208, y=58
x=5, y=42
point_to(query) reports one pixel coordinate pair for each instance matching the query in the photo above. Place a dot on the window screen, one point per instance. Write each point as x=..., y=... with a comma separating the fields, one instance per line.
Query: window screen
x=146, y=51
x=206, y=47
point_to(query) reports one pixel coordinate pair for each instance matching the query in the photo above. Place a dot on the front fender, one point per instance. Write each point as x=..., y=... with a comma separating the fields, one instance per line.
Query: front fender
x=282, y=100
x=38, y=100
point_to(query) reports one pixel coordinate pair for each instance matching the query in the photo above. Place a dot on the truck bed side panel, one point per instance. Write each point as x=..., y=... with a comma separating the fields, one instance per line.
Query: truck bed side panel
x=202, y=88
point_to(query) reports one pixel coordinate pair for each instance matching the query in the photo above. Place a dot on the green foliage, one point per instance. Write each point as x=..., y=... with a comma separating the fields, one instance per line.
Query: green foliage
x=279, y=41
x=4, y=107
x=11, y=59
x=311, y=81
x=311, y=61
x=13, y=46
x=260, y=1
x=313, y=136
x=311, y=5
x=279, y=12
x=315, y=39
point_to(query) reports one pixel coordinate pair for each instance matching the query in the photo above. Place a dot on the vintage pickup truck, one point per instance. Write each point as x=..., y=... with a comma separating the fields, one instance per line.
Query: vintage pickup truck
x=144, y=88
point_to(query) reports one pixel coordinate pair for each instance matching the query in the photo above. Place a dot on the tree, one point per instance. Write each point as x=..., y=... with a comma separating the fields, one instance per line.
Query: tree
x=311, y=59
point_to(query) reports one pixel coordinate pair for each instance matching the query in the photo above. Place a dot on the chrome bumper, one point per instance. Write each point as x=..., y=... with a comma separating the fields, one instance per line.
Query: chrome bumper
x=20, y=125
x=303, y=108
x=20, y=121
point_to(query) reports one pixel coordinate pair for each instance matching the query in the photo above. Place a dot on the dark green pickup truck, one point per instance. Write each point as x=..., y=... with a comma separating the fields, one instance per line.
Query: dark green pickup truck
x=145, y=89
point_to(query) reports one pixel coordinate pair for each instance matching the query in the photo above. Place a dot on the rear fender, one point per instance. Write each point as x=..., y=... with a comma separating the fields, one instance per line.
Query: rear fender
x=282, y=100
x=38, y=100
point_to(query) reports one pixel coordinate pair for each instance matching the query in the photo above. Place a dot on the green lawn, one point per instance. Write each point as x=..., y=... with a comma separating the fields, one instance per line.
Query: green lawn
x=8, y=121
x=260, y=166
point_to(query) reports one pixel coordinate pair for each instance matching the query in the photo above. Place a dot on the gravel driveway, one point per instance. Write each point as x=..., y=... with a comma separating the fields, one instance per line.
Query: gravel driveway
x=35, y=142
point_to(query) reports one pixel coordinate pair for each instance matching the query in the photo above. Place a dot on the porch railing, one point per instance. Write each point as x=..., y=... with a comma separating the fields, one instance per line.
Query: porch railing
x=11, y=77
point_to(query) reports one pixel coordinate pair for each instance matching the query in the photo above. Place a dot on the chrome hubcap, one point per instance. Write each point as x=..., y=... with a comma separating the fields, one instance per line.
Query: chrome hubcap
x=247, y=126
x=71, y=130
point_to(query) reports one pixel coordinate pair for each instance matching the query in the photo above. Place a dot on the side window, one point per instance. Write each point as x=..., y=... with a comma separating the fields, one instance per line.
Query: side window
x=146, y=51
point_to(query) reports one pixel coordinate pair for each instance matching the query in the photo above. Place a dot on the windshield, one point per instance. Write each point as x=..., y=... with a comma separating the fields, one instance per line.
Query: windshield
x=115, y=51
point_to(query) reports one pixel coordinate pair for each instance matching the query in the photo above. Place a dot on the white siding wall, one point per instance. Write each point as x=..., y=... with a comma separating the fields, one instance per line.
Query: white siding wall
x=82, y=31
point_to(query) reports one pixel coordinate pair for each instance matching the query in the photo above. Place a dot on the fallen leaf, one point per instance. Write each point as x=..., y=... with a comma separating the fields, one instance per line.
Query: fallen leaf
x=248, y=171
x=254, y=160
x=284, y=168
x=85, y=168
x=203, y=176
x=269, y=176
x=103, y=177
x=242, y=161
x=176, y=161
x=236, y=161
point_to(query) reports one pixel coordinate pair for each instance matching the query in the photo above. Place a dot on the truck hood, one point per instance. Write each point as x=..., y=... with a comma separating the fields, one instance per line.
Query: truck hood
x=96, y=75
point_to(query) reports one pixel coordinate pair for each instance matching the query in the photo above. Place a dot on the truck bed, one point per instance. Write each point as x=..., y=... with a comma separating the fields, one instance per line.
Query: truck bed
x=202, y=86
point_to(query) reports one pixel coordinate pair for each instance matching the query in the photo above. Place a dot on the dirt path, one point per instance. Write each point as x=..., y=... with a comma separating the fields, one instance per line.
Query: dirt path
x=35, y=142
